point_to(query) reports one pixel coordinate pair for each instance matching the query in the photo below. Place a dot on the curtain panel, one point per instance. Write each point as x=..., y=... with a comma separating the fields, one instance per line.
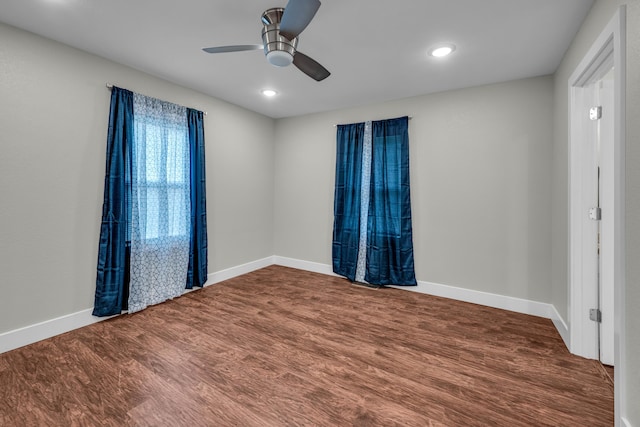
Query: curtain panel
x=372, y=236
x=346, y=225
x=198, y=259
x=112, y=281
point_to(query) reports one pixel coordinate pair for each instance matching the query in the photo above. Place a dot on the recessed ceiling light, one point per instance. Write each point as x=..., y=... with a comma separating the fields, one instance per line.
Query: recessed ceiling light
x=442, y=50
x=269, y=92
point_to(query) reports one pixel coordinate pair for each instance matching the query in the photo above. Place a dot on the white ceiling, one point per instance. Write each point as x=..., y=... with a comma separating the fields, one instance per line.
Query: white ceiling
x=375, y=50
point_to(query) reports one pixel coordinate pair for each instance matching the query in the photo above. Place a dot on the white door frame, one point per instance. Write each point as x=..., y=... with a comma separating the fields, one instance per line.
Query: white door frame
x=608, y=51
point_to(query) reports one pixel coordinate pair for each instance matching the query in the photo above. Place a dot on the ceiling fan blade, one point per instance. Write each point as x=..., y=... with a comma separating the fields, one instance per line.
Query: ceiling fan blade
x=237, y=48
x=310, y=67
x=297, y=16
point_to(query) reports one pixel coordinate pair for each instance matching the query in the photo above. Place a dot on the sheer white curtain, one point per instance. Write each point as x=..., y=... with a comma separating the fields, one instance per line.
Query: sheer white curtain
x=160, y=202
x=365, y=189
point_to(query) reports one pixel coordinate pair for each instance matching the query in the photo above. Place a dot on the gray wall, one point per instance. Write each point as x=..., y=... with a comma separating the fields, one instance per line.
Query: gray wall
x=600, y=15
x=480, y=185
x=53, y=125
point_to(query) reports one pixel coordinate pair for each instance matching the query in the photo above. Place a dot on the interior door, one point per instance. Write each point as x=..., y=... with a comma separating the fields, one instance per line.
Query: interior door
x=599, y=196
x=604, y=139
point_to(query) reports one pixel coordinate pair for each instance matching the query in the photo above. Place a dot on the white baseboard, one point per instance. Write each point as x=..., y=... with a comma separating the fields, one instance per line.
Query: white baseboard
x=314, y=267
x=47, y=329
x=461, y=294
x=50, y=328
x=561, y=326
x=518, y=305
x=230, y=273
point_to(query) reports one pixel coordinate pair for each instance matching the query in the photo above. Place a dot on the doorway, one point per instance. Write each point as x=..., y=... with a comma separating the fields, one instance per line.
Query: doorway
x=596, y=203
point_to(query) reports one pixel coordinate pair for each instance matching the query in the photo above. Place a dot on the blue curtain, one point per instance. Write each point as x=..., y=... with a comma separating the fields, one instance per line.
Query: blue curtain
x=346, y=207
x=197, y=273
x=112, y=281
x=388, y=240
x=389, y=229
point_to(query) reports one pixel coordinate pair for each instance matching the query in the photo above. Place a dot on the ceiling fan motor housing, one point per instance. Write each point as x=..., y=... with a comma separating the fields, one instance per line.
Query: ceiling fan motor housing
x=278, y=49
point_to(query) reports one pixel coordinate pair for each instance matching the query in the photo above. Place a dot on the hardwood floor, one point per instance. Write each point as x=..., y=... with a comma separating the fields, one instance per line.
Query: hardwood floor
x=284, y=347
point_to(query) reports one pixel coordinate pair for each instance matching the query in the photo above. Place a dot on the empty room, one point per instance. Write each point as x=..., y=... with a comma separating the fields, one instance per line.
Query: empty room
x=336, y=213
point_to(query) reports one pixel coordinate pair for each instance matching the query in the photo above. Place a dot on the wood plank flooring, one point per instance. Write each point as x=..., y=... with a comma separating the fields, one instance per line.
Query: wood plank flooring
x=284, y=347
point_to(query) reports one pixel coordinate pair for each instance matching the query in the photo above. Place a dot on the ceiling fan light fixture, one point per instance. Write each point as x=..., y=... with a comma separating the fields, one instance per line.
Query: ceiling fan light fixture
x=280, y=49
x=279, y=58
x=443, y=50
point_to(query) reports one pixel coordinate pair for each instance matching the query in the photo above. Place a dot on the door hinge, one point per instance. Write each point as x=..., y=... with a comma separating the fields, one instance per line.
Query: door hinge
x=595, y=214
x=595, y=113
x=595, y=315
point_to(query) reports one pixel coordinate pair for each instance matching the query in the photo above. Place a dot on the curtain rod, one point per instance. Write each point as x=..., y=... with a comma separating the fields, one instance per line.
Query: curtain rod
x=110, y=86
x=410, y=117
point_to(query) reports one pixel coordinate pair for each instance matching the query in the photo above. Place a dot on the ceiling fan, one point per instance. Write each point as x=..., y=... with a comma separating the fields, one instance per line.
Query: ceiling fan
x=280, y=38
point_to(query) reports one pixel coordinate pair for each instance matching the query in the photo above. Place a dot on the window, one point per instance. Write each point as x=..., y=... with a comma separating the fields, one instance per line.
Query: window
x=161, y=172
